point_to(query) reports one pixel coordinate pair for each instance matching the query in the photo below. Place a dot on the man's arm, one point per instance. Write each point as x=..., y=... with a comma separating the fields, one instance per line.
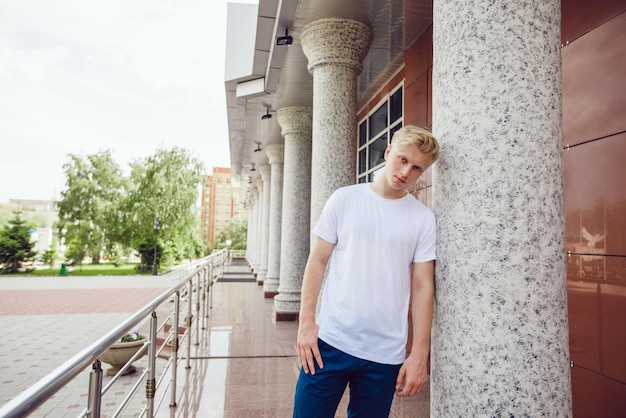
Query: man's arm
x=413, y=374
x=308, y=350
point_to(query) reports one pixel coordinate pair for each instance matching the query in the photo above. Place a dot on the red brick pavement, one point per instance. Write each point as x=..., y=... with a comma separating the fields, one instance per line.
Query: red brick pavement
x=75, y=301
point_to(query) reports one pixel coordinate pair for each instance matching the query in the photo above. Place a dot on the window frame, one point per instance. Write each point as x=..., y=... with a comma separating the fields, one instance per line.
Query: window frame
x=369, y=174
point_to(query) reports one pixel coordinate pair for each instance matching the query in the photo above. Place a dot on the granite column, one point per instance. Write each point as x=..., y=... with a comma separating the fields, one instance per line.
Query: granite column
x=275, y=156
x=500, y=330
x=264, y=223
x=335, y=49
x=295, y=123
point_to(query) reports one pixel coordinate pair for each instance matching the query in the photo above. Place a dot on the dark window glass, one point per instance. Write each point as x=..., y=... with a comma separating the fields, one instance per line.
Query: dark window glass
x=396, y=106
x=374, y=176
x=362, y=161
x=393, y=130
x=377, y=151
x=362, y=133
x=362, y=179
x=378, y=120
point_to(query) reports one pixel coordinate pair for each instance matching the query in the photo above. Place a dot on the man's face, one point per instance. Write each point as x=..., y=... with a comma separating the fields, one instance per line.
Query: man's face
x=404, y=166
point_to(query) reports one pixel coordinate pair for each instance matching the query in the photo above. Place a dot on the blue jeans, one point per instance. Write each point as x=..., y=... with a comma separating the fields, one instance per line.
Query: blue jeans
x=372, y=386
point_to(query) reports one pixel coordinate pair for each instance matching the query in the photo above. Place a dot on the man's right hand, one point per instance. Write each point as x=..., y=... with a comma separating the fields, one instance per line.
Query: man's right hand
x=308, y=350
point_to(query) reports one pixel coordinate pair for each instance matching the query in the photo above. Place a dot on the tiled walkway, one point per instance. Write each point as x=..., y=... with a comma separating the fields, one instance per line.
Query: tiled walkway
x=243, y=367
x=47, y=320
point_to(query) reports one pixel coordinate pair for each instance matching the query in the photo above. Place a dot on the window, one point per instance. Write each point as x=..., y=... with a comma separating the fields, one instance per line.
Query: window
x=375, y=133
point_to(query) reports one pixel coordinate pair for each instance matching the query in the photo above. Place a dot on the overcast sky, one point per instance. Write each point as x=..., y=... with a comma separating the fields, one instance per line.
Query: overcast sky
x=80, y=76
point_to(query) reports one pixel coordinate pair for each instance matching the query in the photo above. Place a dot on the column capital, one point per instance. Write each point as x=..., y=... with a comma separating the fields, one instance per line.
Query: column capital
x=295, y=119
x=336, y=41
x=274, y=153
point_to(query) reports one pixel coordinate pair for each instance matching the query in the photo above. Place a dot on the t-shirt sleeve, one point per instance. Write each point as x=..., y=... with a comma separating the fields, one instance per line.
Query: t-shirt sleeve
x=427, y=239
x=326, y=226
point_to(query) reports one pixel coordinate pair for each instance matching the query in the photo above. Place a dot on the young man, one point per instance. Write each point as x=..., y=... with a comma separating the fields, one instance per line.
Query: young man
x=382, y=242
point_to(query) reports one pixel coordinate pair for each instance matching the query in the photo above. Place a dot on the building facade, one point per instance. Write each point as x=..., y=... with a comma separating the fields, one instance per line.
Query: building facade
x=221, y=202
x=528, y=100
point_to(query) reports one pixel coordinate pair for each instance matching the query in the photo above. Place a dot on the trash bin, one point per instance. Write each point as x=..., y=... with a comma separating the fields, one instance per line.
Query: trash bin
x=63, y=271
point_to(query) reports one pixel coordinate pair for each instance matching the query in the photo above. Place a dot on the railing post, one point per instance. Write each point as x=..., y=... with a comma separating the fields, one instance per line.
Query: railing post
x=189, y=321
x=151, y=380
x=205, y=289
x=95, y=390
x=198, y=294
x=209, y=284
x=211, y=288
x=174, y=356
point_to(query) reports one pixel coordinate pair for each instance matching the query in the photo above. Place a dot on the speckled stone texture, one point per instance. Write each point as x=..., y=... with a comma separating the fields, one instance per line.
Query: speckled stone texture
x=251, y=251
x=275, y=156
x=500, y=331
x=265, y=221
x=295, y=123
x=249, y=234
x=335, y=49
x=258, y=227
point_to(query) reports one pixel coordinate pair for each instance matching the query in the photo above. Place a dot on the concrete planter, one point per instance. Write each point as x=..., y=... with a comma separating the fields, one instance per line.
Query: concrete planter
x=119, y=354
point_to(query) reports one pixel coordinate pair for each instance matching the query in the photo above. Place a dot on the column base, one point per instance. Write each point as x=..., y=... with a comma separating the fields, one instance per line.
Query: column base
x=286, y=316
x=270, y=286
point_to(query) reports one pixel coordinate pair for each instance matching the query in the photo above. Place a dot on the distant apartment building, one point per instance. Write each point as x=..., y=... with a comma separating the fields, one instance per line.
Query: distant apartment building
x=221, y=202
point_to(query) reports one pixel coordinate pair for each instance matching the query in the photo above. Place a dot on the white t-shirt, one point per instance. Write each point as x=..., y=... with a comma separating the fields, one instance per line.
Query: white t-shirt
x=365, y=299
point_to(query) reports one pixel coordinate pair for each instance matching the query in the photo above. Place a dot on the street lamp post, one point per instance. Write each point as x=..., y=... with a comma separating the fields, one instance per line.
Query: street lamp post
x=156, y=236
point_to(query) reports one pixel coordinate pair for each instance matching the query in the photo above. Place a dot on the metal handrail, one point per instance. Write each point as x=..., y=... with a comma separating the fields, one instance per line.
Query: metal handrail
x=28, y=400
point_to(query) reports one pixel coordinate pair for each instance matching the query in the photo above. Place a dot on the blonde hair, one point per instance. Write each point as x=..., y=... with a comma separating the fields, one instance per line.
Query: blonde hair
x=412, y=135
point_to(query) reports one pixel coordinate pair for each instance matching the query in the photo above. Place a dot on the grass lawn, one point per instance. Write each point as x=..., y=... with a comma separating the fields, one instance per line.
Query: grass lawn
x=89, y=270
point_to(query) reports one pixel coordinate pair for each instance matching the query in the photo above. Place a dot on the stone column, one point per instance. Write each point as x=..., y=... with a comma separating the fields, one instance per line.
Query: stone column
x=252, y=226
x=295, y=123
x=257, y=229
x=264, y=223
x=500, y=331
x=335, y=49
x=275, y=155
x=249, y=234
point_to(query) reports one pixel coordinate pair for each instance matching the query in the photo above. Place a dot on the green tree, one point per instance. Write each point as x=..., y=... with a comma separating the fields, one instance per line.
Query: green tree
x=89, y=206
x=16, y=247
x=236, y=233
x=163, y=186
x=49, y=256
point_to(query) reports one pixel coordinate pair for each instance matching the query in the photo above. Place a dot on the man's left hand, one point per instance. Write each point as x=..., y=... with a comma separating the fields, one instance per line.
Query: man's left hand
x=412, y=377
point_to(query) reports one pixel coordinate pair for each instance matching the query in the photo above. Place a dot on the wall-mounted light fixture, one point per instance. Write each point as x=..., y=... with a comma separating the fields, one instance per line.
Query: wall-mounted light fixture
x=267, y=115
x=284, y=40
x=258, y=147
x=252, y=169
x=249, y=180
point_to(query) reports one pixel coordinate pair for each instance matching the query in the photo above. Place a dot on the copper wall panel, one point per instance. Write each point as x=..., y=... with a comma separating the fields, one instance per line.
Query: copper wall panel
x=580, y=16
x=594, y=86
x=416, y=99
x=596, y=396
x=429, y=125
x=418, y=66
x=610, y=269
x=419, y=56
x=597, y=314
x=595, y=197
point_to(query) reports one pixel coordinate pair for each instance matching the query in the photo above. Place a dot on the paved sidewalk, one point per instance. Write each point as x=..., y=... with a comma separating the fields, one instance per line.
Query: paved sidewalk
x=47, y=320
